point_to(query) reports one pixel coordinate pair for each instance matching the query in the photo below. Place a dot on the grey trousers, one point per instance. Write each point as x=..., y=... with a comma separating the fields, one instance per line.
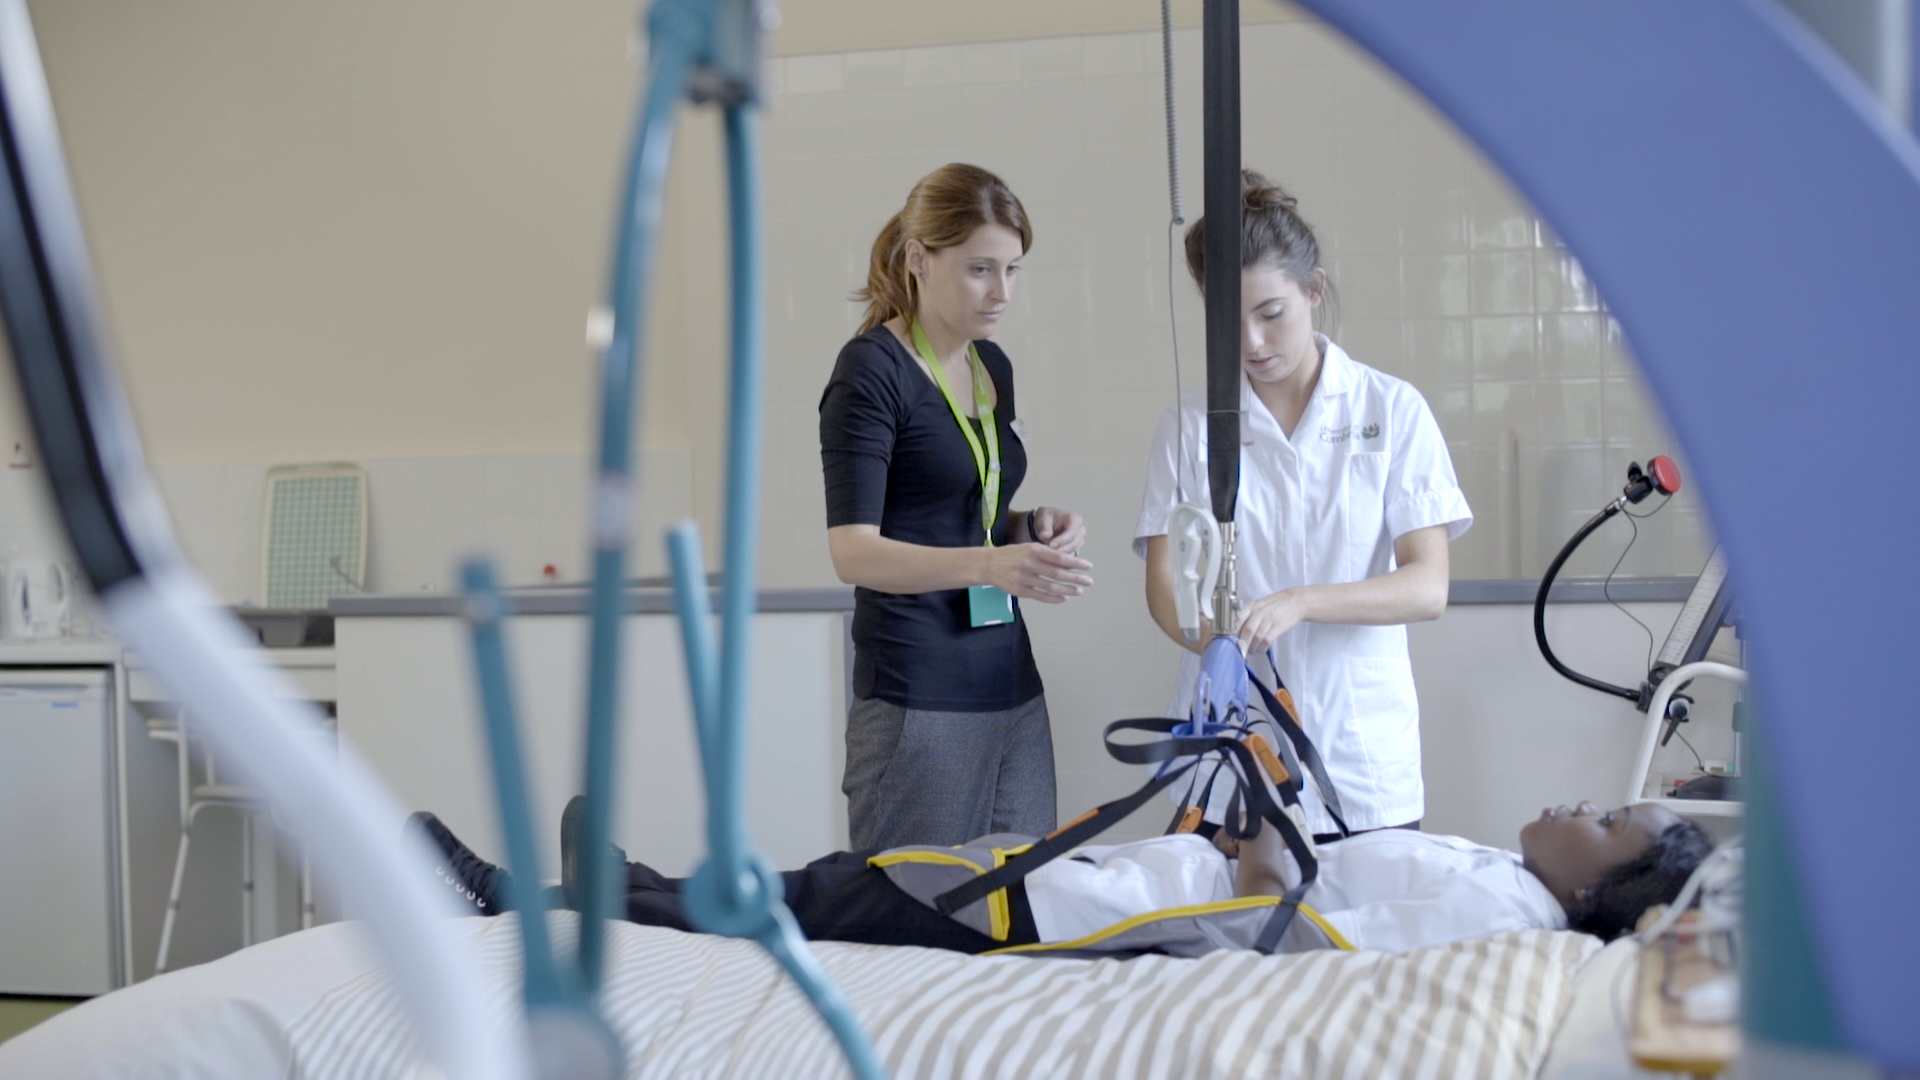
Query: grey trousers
x=916, y=777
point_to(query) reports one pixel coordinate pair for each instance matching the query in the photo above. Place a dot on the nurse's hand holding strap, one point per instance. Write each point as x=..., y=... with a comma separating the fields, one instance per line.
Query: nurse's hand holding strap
x=1044, y=570
x=1415, y=590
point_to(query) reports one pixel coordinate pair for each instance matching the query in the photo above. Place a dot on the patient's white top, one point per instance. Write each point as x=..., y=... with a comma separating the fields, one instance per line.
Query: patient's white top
x=1390, y=891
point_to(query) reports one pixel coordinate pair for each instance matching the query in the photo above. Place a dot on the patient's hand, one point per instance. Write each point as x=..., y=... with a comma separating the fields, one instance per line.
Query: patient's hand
x=1263, y=864
x=1227, y=845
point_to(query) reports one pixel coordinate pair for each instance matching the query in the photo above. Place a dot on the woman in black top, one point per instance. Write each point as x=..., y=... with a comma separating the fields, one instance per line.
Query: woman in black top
x=947, y=735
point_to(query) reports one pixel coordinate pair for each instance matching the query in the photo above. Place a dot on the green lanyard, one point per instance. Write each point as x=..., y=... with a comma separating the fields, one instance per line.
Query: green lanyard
x=987, y=461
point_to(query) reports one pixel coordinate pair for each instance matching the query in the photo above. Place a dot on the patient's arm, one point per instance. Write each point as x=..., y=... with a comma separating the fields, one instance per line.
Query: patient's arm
x=1265, y=865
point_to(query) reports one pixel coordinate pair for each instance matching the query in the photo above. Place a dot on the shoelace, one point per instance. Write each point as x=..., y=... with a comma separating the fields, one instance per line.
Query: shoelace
x=459, y=886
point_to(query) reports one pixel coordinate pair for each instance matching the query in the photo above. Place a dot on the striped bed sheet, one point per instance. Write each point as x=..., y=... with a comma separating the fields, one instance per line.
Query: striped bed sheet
x=691, y=1006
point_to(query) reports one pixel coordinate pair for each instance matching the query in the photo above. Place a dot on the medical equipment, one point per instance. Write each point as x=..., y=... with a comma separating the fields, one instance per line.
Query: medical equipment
x=1558, y=95
x=1661, y=475
x=1708, y=608
x=1201, y=548
x=1269, y=795
x=1687, y=800
x=1220, y=189
x=705, y=50
x=1196, y=565
x=1687, y=993
x=1562, y=97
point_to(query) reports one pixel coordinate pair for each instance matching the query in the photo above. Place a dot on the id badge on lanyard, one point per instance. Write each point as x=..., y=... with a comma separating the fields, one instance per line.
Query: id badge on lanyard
x=987, y=605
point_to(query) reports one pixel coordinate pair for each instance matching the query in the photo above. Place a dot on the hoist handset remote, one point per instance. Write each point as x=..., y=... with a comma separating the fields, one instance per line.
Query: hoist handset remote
x=1195, y=540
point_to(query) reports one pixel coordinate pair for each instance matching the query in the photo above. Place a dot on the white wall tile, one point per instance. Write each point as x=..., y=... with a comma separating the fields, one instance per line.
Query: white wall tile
x=813, y=75
x=1433, y=220
x=399, y=525
x=1050, y=58
x=1443, y=347
x=939, y=65
x=457, y=486
x=1570, y=411
x=1503, y=348
x=995, y=61
x=1369, y=287
x=1502, y=282
x=885, y=70
x=1117, y=54
x=1497, y=220
x=1370, y=95
x=1570, y=345
x=1561, y=284
x=1369, y=160
x=1500, y=408
x=1437, y=285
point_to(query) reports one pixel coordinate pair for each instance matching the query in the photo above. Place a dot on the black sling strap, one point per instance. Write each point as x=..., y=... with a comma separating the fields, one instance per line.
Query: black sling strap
x=1261, y=812
x=1303, y=746
x=1103, y=817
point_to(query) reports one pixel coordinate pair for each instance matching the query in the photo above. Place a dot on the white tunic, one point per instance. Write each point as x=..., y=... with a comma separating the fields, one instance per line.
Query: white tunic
x=1390, y=891
x=1366, y=465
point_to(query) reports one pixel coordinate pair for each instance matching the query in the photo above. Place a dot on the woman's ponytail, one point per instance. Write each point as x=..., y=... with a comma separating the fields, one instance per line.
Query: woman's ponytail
x=890, y=289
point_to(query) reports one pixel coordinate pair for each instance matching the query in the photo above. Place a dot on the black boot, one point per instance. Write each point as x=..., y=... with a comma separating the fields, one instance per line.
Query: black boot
x=573, y=821
x=479, y=883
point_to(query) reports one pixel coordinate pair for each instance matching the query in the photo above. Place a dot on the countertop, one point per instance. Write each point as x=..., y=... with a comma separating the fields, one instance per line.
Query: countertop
x=60, y=652
x=572, y=600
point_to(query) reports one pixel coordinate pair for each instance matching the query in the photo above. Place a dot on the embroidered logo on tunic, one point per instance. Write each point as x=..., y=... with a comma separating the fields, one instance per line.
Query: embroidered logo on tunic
x=1342, y=434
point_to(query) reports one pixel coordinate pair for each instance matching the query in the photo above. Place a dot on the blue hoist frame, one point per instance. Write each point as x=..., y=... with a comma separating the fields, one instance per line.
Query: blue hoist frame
x=705, y=52
x=1688, y=153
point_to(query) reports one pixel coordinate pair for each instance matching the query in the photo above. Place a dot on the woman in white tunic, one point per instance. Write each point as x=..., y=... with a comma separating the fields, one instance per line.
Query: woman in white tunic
x=1347, y=502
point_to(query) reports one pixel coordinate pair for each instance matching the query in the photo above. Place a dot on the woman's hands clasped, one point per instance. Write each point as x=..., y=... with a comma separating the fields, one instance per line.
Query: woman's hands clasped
x=1058, y=529
x=1043, y=563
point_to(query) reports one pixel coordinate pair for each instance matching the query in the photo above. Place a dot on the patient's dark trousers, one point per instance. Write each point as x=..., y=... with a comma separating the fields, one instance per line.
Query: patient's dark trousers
x=838, y=898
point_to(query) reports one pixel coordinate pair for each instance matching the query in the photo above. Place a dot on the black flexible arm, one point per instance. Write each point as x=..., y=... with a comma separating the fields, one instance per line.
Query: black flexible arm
x=1540, y=609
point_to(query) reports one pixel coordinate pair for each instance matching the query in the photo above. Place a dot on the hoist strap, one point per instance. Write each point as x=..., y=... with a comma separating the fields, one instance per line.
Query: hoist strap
x=1260, y=806
x=1283, y=719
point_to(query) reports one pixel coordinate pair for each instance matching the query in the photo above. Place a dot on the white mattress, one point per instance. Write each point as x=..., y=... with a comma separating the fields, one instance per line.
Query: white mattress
x=316, y=1005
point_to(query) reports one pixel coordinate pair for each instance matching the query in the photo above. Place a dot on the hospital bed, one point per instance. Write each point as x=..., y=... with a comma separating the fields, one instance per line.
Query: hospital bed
x=317, y=1005
x=321, y=1003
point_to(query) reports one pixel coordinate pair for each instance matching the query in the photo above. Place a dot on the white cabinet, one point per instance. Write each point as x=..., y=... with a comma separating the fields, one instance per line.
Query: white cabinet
x=408, y=707
x=59, y=925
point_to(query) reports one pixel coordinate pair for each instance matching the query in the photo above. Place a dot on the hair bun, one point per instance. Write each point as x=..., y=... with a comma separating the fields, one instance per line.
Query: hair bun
x=1259, y=193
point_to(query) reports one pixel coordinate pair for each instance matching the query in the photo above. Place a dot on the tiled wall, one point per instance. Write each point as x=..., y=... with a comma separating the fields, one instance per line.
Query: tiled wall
x=424, y=514
x=1445, y=276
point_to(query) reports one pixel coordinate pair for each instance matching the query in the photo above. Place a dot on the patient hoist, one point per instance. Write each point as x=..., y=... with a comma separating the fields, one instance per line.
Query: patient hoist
x=1682, y=658
x=1260, y=760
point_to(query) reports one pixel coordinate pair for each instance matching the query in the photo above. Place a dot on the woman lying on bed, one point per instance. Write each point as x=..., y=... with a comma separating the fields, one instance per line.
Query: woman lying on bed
x=1392, y=890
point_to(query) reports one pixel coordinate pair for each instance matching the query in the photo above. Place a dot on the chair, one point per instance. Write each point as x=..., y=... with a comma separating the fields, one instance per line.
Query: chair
x=215, y=795
x=313, y=546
